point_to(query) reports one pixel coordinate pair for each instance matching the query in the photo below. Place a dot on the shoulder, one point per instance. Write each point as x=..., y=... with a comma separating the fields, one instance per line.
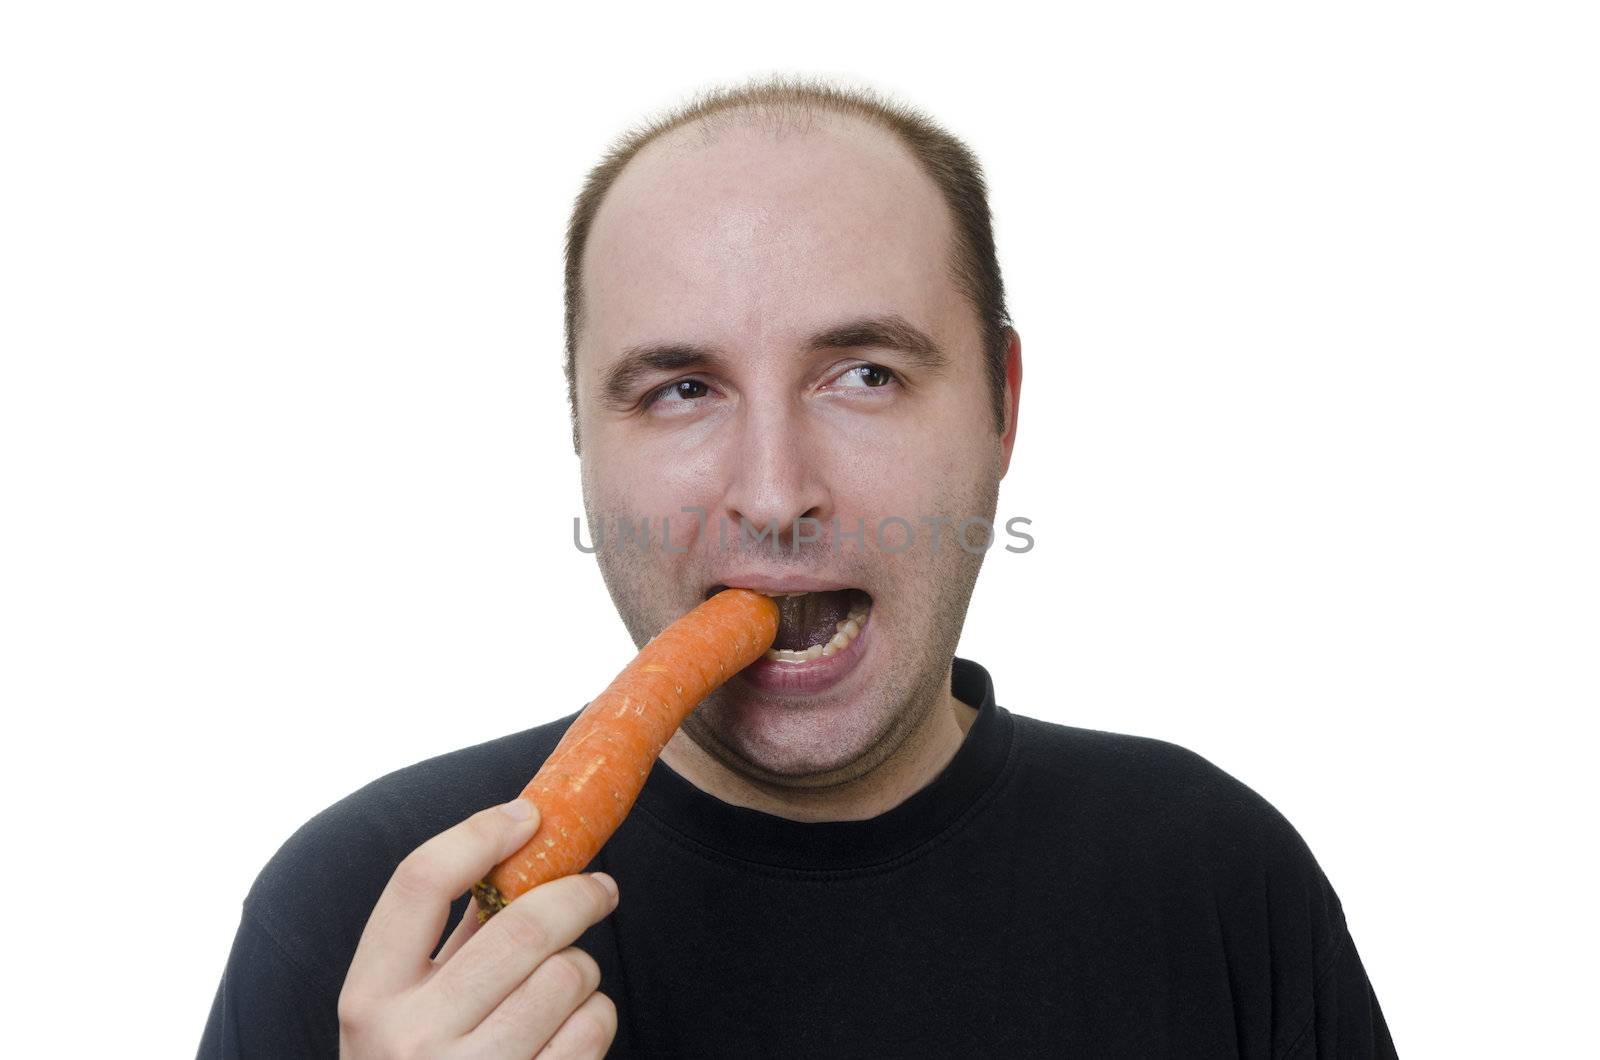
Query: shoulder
x=1145, y=774
x=1167, y=806
x=1175, y=832
x=314, y=895
x=1167, y=838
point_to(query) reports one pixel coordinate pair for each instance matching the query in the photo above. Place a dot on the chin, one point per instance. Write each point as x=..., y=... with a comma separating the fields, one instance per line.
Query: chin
x=793, y=736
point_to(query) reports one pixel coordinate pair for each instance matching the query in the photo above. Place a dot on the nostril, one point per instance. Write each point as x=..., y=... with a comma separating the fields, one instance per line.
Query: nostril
x=811, y=526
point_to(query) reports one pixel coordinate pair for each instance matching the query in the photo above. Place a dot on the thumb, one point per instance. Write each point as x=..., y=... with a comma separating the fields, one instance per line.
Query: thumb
x=520, y=819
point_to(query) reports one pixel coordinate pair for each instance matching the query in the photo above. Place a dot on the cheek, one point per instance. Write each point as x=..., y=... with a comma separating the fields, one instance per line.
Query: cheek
x=649, y=479
x=634, y=486
x=906, y=468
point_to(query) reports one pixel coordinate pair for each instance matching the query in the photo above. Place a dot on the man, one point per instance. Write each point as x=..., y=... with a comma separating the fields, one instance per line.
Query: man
x=787, y=333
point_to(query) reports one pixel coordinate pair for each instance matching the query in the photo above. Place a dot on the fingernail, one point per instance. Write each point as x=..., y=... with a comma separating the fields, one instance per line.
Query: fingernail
x=607, y=882
x=518, y=809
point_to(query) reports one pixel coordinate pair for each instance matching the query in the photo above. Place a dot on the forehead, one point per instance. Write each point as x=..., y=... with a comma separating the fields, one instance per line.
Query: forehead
x=755, y=236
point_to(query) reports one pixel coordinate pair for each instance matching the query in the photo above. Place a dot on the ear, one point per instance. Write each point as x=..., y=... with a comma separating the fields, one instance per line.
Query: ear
x=1013, y=398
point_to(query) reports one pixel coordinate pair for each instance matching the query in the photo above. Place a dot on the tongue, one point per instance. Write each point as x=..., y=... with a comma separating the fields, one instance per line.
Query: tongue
x=810, y=619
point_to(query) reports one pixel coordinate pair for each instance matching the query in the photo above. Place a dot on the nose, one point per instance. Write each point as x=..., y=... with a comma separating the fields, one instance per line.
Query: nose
x=776, y=483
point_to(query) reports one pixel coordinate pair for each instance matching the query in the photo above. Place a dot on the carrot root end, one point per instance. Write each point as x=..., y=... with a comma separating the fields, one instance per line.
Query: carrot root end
x=489, y=899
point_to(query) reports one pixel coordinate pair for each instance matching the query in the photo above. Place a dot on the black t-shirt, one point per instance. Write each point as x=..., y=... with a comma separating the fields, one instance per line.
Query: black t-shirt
x=1054, y=891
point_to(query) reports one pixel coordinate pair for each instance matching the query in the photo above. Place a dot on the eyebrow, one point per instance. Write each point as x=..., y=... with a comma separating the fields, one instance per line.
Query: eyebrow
x=890, y=331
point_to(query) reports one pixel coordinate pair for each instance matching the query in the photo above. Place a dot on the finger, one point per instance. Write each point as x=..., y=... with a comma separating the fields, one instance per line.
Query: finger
x=536, y=1009
x=463, y=931
x=587, y=1033
x=502, y=954
x=411, y=912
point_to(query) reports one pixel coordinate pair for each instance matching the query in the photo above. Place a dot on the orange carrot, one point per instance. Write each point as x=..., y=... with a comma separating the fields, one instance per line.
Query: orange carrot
x=592, y=778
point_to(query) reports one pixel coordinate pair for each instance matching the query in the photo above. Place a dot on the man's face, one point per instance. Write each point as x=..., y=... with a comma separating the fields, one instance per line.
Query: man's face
x=745, y=249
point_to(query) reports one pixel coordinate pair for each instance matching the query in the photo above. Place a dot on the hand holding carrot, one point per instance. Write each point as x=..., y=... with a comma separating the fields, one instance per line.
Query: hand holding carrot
x=506, y=986
x=514, y=986
x=590, y=781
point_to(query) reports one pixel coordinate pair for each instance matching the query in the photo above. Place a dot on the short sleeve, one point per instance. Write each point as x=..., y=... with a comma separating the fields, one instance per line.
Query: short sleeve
x=266, y=1006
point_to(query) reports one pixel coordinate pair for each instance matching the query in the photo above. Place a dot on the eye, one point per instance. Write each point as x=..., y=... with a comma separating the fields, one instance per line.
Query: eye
x=679, y=392
x=688, y=389
x=867, y=375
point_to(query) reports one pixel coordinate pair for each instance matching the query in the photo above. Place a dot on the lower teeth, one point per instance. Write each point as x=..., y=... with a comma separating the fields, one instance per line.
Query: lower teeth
x=844, y=632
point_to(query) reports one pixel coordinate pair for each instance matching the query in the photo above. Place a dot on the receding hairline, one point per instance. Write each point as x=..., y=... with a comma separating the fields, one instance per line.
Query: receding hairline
x=780, y=118
x=785, y=104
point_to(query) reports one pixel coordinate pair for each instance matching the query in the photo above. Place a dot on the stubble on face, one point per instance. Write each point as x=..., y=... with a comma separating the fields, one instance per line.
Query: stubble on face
x=920, y=595
x=928, y=589
x=925, y=590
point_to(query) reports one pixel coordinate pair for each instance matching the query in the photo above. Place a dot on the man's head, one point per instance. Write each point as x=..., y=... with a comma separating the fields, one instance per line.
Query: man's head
x=784, y=313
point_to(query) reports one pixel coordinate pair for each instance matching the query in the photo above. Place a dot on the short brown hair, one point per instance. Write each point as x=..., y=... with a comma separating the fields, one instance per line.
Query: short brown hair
x=949, y=162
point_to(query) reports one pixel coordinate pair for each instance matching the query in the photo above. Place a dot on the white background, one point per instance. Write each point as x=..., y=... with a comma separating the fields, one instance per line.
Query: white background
x=1308, y=309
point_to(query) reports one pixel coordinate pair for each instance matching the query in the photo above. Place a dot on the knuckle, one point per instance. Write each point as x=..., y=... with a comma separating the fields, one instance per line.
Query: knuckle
x=602, y=898
x=355, y=1009
x=564, y=975
x=417, y=874
x=605, y=1011
x=527, y=931
x=487, y=826
x=456, y=990
x=367, y=1026
x=504, y=1040
x=596, y=1022
x=377, y=1025
x=410, y=1035
x=587, y=1032
x=575, y=970
x=591, y=968
x=407, y=1048
x=582, y=900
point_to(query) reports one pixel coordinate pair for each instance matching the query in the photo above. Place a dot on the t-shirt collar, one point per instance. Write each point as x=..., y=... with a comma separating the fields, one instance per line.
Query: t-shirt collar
x=671, y=802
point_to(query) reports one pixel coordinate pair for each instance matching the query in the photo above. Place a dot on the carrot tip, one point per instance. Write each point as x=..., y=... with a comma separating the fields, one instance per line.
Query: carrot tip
x=489, y=900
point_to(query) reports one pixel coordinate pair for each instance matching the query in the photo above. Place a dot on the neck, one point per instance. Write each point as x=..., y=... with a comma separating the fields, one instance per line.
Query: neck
x=926, y=751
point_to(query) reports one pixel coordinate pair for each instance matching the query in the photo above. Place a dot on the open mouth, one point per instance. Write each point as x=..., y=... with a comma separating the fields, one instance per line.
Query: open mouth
x=815, y=625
